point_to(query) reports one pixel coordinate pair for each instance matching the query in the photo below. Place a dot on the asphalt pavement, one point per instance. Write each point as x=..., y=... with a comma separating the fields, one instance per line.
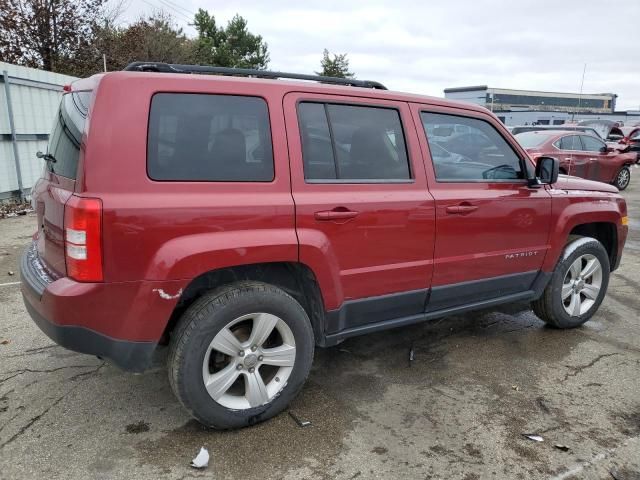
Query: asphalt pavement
x=477, y=383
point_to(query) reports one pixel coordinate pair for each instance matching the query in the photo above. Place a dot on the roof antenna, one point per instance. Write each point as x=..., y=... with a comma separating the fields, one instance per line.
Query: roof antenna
x=584, y=71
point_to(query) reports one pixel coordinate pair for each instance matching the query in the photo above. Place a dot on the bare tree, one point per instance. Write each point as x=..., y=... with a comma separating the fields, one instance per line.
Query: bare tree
x=47, y=34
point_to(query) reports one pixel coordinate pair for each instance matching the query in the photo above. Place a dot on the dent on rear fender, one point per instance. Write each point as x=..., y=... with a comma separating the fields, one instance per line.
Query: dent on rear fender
x=166, y=296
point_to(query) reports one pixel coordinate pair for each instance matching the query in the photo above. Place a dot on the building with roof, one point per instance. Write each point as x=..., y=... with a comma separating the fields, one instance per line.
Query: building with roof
x=506, y=99
x=527, y=107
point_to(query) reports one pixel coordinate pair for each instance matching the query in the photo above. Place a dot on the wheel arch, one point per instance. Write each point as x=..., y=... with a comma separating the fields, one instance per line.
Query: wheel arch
x=297, y=279
x=605, y=232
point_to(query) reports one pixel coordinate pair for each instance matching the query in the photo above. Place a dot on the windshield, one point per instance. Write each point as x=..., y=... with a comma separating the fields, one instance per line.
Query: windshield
x=65, y=139
x=531, y=139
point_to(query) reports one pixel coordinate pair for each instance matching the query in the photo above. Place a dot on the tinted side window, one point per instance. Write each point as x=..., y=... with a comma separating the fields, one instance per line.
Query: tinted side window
x=591, y=144
x=479, y=153
x=317, y=149
x=202, y=137
x=345, y=142
x=65, y=139
x=570, y=142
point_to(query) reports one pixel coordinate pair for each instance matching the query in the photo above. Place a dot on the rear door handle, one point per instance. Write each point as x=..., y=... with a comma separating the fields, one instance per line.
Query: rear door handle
x=461, y=209
x=335, y=214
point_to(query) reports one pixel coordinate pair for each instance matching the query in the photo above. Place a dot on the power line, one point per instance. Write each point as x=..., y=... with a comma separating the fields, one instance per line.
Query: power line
x=155, y=7
x=181, y=7
x=169, y=5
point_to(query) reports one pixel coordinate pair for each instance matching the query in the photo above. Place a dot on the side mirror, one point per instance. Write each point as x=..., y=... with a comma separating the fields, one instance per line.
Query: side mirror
x=547, y=170
x=605, y=149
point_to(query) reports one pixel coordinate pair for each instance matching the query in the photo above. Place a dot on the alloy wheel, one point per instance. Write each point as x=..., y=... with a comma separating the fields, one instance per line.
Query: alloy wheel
x=623, y=178
x=581, y=285
x=249, y=361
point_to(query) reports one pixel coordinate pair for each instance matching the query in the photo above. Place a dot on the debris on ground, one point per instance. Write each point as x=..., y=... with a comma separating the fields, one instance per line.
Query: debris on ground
x=4, y=342
x=533, y=436
x=298, y=420
x=412, y=355
x=139, y=427
x=14, y=209
x=515, y=387
x=11, y=273
x=202, y=459
x=559, y=446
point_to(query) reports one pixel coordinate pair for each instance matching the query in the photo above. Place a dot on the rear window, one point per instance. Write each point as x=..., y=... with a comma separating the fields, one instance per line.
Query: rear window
x=214, y=138
x=531, y=139
x=66, y=137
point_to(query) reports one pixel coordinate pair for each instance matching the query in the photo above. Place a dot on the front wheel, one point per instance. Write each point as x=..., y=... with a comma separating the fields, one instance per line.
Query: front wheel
x=577, y=287
x=240, y=354
x=622, y=178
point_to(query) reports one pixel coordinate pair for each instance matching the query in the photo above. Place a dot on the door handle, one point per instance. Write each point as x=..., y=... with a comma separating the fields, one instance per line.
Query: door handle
x=461, y=209
x=335, y=214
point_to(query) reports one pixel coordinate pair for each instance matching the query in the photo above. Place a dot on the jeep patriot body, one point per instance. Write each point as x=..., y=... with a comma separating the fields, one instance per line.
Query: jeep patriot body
x=244, y=221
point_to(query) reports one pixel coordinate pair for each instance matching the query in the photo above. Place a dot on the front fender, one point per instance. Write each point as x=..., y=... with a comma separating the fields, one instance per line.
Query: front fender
x=571, y=208
x=189, y=256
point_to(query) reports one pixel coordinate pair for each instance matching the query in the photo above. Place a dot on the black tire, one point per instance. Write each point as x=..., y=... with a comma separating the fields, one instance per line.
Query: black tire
x=201, y=323
x=623, y=178
x=549, y=307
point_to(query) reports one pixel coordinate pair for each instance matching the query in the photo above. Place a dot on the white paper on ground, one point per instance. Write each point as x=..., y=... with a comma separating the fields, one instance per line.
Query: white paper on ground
x=201, y=460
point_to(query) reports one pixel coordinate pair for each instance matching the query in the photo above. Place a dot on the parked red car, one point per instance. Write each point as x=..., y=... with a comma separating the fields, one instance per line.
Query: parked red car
x=630, y=142
x=581, y=155
x=245, y=221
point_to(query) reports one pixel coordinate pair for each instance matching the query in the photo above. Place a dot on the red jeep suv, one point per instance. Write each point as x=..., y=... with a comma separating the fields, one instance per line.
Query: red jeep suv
x=243, y=217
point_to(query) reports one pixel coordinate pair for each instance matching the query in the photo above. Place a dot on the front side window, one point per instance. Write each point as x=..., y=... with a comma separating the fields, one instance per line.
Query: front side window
x=570, y=142
x=591, y=144
x=212, y=138
x=352, y=143
x=468, y=149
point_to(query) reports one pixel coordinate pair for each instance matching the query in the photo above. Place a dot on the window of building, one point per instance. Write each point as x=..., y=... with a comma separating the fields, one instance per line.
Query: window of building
x=214, y=138
x=479, y=154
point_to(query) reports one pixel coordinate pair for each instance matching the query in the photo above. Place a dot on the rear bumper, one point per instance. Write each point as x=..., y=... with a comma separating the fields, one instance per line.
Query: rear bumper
x=131, y=356
x=121, y=322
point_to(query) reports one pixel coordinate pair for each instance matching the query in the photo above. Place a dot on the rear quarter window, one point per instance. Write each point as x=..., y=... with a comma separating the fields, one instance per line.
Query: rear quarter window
x=66, y=136
x=207, y=137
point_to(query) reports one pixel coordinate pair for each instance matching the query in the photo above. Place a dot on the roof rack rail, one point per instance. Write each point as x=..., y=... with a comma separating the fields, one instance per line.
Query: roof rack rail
x=246, y=72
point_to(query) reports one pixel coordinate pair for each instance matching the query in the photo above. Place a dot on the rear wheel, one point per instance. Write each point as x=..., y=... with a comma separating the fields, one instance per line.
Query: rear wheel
x=577, y=287
x=240, y=354
x=623, y=178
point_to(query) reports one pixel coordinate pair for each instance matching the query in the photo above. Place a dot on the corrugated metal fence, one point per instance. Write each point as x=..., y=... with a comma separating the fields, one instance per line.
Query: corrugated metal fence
x=28, y=104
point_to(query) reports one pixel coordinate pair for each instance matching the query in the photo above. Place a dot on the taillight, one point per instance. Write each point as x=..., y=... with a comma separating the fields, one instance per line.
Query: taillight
x=83, y=238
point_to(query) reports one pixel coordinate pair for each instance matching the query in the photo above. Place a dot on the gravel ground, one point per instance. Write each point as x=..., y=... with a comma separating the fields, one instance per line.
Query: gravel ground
x=458, y=411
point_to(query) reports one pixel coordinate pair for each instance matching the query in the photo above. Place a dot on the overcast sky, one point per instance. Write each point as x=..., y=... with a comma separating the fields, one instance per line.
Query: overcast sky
x=426, y=46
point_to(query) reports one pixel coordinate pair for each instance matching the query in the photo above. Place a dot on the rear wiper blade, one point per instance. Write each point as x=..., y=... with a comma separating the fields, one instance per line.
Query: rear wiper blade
x=47, y=157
